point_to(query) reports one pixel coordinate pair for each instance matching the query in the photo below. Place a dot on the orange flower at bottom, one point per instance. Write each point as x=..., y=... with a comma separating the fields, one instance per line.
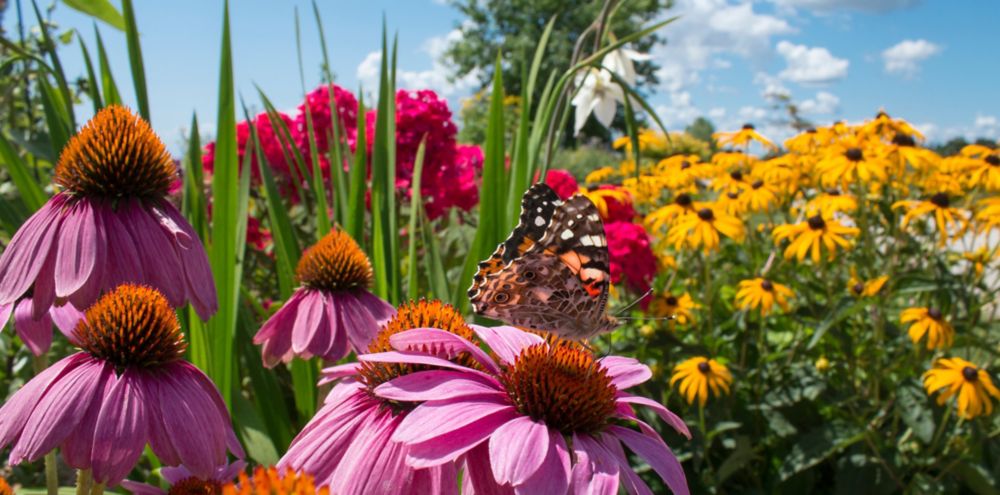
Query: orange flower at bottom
x=268, y=481
x=951, y=376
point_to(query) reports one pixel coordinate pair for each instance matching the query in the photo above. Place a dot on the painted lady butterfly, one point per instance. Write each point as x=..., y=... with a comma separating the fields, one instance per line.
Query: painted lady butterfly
x=551, y=274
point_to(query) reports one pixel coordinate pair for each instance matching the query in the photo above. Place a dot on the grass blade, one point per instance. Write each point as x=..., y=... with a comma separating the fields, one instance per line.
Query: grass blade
x=57, y=69
x=135, y=59
x=27, y=186
x=194, y=201
x=110, y=90
x=56, y=120
x=356, y=175
x=416, y=207
x=93, y=88
x=99, y=9
x=383, y=185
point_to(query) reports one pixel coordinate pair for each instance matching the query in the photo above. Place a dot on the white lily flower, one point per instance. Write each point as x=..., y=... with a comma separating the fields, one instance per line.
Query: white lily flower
x=620, y=62
x=598, y=94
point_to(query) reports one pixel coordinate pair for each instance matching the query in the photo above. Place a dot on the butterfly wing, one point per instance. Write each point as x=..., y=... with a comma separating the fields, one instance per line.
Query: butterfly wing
x=538, y=205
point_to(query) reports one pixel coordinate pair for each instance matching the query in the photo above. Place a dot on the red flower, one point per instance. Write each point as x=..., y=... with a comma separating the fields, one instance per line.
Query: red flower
x=319, y=106
x=618, y=211
x=631, y=255
x=562, y=182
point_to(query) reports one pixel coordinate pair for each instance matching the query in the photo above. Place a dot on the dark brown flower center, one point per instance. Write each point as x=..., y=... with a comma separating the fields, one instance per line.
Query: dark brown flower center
x=194, y=486
x=766, y=285
x=858, y=288
x=335, y=263
x=854, y=154
x=970, y=374
x=903, y=140
x=748, y=127
x=940, y=200
x=116, y=155
x=683, y=199
x=816, y=222
x=132, y=325
x=811, y=130
x=833, y=192
x=685, y=165
x=757, y=184
x=732, y=194
x=993, y=160
x=736, y=175
x=563, y=386
x=418, y=314
x=934, y=313
x=671, y=301
x=706, y=214
x=704, y=367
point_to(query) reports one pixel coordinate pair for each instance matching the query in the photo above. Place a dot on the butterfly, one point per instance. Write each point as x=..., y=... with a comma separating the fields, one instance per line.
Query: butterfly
x=552, y=273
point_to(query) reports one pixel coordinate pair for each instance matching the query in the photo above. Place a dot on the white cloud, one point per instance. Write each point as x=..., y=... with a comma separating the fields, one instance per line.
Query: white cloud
x=986, y=121
x=810, y=65
x=709, y=30
x=838, y=5
x=435, y=78
x=717, y=113
x=823, y=104
x=680, y=112
x=904, y=57
x=773, y=88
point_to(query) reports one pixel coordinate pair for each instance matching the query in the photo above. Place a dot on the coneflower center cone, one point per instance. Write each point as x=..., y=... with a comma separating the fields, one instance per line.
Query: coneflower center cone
x=133, y=325
x=415, y=314
x=193, y=486
x=562, y=386
x=116, y=155
x=335, y=263
x=970, y=374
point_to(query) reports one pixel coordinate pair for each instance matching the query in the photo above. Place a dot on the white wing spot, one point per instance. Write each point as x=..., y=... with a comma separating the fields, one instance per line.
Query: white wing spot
x=570, y=223
x=539, y=209
x=566, y=234
x=539, y=221
x=587, y=240
x=579, y=216
x=593, y=217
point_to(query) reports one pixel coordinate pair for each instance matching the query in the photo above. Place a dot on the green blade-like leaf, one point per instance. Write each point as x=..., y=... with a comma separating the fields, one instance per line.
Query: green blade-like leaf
x=416, y=207
x=93, y=87
x=31, y=192
x=194, y=202
x=49, y=47
x=383, y=184
x=289, y=148
x=356, y=176
x=135, y=59
x=99, y=9
x=110, y=90
x=56, y=120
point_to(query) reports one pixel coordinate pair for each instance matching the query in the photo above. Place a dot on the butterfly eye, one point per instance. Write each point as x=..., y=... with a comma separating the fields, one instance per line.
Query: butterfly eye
x=501, y=297
x=529, y=275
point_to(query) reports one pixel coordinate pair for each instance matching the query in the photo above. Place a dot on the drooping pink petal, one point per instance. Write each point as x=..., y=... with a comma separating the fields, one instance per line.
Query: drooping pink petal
x=506, y=342
x=374, y=465
x=379, y=309
x=657, y=454
x=553, y=475
x=518, y=449
x=337, y=372
x=122, y=429
x=77, y=449
x=5, y=311
x=360, y=324
x=632, y=482
x=336, y=347
x=433, y=419
x=59, y=410
x=80, y=242
x=437, y=385
x=193, y=427
x=66, y=317
x=36, y=333
x=320, y=446
x=446, y=344
x=625, y=372
x=197, y=271
x=595, y=470
x=438, y=479
x=478, y=478
x=451, y=445
x=416, y=358
x=123, y=249
x=309, y=321
x=213, y=397
x=27, y=251
x=276, y=333
x=43, y=293
x=665, y=414
x=170, y=224
x=159, y=258
x=15, y=412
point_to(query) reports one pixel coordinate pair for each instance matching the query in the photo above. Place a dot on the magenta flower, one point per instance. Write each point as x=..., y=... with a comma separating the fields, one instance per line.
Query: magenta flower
x=332, y=312
x=128, y=387
x=541, y=419
x=110, y=224
x=562, y=182
x=347, y=444
x=36, y=333
x=630, y=254
x=318, y=102
x=182, y=480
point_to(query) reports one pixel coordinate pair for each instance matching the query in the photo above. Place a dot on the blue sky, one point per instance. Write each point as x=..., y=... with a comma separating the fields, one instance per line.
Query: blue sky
x=927, y=61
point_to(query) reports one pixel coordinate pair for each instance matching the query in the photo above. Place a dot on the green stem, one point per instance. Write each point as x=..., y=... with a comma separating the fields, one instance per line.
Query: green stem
x=39, y=363
x=84, y=480
x=98, y=489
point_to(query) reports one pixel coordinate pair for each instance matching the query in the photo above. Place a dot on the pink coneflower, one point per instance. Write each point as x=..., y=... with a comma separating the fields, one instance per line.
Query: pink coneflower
x=543, y=419
x=347, y=446
x=332, y=312
x=183, y=481
x=109, y=224
x=128, y=387
x=36, y=332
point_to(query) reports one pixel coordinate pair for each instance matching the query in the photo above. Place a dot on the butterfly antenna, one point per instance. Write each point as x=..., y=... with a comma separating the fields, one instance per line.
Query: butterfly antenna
x=671, y=317
x=633, y=303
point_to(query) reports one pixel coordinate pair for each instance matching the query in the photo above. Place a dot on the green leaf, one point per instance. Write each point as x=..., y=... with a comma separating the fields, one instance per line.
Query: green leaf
x=135, y=59
x=56, y=119
x=93, y=87
x=845, y=308
x=385, y=241
x=253, y=432
x=911, y=403
x=416, y=207
x=319, y=191
x=49, y=47
x=304, y=377
x=99, y=9
x=110, y=90
x=194, y=201
x=356, y=177
x=24, y=180
x=741, y=455
x=976, y=478
x=818, y=445
x=266, y=390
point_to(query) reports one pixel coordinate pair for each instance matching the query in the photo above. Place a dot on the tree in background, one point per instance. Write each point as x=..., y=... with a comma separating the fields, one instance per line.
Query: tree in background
x=513, y=27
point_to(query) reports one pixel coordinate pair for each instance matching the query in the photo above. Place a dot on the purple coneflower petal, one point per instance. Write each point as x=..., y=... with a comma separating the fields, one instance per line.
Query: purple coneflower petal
x=171, y=225
x=625, y=372
x=122, y=248
x=58, y=410
x=28, y=250
x=5, y=311
x=195, y=431
x=163, y=266
x=449, y=445
x=595, y=470
x=81, y=242
x=360, y=324
x=334, y=373
x=379, y=309
x=665, y=414
x=446, y=344
x=433, y=419
x=506, y=342
x=197, y=270
x=79, y=445
x=43, y=293
x=337, y=346
x=632, y=482
x=15, y=412
x=121, y=429
x=478, y=478
x=211, y=395
x=553, y=475
x=415, y=358
x=276, y=333
x=437, y=385
x=518, y=449
x=66, y=317
x=36, y=333
x=363, y=468
x=657, y=454
x=309, y=321
x=136, y=488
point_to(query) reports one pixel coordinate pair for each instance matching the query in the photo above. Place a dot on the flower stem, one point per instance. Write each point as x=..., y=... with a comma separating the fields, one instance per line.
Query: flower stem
x=39, y=363
x=98, y=489
x=83, y=482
